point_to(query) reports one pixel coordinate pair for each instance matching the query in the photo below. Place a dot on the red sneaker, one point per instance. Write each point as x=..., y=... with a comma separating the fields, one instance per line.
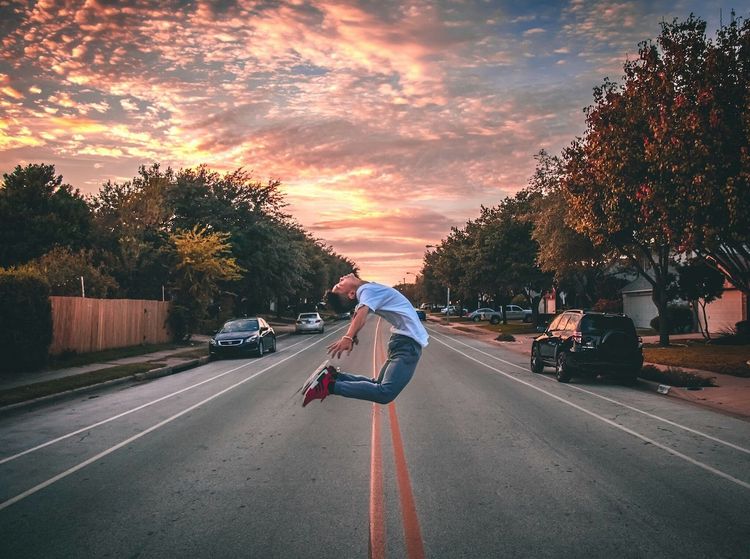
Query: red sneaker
x=319, y=389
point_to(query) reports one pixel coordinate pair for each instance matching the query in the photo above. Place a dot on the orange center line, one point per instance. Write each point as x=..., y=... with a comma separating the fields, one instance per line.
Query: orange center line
x=377, y=509
x=410, y=520
x=412, y=531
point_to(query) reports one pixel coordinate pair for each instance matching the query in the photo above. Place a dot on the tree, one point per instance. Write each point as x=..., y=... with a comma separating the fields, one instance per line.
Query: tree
x=504, y=252
x=492, y=256
x=201, y=262
x=132, y=222
x=64, y=269
x=637, y=181
x=264, y=239
x=39, y=212
x=449, y=264
x=706, y=147
x=578, y=266
x=703, y=284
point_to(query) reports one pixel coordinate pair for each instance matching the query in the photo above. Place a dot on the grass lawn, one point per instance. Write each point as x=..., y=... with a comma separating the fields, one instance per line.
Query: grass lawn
x=696, y=354
x=513, y=328
x=23, y=393
x=72, y=359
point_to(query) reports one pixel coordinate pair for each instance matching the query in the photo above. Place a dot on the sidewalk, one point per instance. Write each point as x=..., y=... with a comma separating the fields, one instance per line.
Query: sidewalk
x=169, y=356
x=731, y=395
x=166, y=362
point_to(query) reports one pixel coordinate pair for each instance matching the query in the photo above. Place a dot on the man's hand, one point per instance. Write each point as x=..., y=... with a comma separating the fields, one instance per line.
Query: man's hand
x=345, y=344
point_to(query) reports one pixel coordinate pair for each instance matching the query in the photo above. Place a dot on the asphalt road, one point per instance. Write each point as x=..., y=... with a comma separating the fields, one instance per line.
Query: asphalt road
x=477, y=458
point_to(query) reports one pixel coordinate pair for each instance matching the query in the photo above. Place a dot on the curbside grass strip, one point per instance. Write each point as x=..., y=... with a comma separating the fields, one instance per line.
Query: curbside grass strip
x=170, y=370
x=40, y=392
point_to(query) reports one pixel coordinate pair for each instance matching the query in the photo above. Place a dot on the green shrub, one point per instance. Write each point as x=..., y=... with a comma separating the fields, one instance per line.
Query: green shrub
x=179, y=321
x=505, y=337
x=679, y=317
x=25, y=320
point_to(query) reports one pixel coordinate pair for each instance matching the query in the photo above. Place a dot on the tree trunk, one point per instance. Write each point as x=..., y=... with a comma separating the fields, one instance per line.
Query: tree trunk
x=706, y=333
x=659, y=297
x=697, y=322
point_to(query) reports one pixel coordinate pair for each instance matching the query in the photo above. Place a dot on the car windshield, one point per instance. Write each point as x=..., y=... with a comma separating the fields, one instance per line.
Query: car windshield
x=309, y=315
x=597, y=323
x=240, y=326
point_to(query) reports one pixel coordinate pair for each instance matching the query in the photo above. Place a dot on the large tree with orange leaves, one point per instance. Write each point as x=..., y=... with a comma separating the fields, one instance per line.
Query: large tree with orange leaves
x=663, y=166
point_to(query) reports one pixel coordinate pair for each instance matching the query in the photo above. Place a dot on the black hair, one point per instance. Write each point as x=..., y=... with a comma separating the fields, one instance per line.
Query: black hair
x=338, y=302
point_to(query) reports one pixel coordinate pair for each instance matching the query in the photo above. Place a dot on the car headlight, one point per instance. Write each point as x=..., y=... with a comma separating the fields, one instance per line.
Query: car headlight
x=251, y=338
x=212, y=341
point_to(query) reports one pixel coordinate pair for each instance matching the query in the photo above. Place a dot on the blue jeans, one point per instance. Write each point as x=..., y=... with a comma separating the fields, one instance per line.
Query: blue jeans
x=403, y=356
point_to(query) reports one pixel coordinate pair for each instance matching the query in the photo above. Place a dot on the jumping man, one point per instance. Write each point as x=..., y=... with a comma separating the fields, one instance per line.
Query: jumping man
x=408, y=337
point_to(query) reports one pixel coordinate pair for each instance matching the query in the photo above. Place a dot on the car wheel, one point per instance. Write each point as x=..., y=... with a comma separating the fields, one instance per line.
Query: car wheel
x=494, y=319
x=477, y=318
x=537, y=365
x=261, y=349
x=562, y=369
x=322, y=330
x=272, y=349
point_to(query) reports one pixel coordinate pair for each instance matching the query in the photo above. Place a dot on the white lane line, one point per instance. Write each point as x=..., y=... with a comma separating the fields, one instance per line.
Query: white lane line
x=627, y=406
x=605, y=420
x=66, y=473
x=151, y=403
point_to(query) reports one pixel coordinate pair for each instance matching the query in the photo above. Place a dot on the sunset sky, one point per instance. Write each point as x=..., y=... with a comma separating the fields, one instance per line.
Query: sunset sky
x=386, y=122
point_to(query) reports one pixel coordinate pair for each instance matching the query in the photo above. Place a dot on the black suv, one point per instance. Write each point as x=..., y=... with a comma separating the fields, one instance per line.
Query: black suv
x=589, y=343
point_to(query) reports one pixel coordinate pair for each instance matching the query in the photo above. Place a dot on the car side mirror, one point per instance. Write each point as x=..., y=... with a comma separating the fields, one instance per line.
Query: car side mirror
x=263, y=328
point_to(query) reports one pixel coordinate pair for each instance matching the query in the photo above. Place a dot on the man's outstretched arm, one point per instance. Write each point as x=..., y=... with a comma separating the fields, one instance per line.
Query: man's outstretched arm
x=346, y=343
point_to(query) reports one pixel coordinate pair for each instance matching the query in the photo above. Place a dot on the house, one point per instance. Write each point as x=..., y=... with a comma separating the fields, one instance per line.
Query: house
x=722, y=314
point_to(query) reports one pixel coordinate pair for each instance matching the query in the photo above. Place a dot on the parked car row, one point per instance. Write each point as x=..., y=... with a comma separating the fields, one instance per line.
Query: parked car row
x=576, y=342
x=254, y=336
x=512, y=312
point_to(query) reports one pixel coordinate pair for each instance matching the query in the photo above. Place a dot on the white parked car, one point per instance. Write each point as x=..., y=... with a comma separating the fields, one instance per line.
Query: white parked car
x=309, y=322
x=512, y=312
x=479, y=314
x=453, y=310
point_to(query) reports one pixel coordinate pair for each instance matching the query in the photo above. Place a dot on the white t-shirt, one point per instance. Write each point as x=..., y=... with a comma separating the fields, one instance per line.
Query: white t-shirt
x=395, y=308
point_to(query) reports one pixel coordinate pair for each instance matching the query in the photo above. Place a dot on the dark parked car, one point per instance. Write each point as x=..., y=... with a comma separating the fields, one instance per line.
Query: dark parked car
x=589, y=343
x=421, y=314
x=243, y=336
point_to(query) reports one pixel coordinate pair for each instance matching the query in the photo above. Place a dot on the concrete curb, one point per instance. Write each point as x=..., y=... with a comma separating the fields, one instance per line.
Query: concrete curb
x=695, y=396
x=172, y=369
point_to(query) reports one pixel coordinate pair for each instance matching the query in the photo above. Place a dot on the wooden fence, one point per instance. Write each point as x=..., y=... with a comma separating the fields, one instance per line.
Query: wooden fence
x=85, y=325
